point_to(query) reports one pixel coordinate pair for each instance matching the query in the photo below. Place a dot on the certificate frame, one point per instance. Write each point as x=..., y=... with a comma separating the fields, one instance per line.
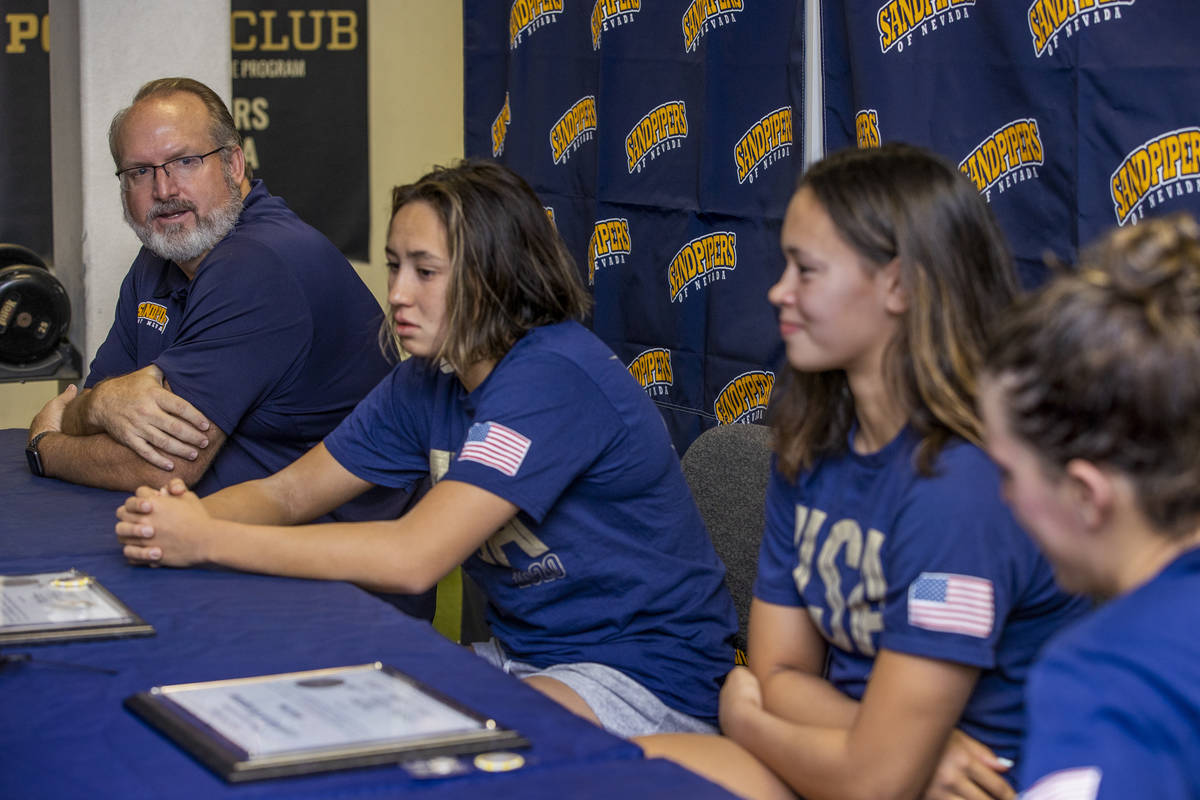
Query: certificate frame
x=234, y=763
x=128, y=623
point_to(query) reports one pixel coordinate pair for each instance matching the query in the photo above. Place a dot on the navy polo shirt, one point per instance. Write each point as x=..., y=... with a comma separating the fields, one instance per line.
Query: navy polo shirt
x=274, y=340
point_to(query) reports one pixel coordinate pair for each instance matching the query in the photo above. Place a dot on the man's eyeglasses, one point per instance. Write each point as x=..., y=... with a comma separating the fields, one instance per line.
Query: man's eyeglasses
x=181, y=168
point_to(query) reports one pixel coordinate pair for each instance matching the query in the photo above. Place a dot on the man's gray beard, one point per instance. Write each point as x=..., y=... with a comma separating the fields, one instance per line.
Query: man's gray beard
x=178, y=243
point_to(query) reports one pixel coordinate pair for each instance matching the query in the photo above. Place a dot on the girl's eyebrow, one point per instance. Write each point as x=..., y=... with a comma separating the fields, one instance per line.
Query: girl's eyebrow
x=800, y=254
x=415, y=255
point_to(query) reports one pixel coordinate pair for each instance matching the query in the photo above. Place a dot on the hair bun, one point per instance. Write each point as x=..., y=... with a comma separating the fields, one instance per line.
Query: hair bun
x=1154, y=265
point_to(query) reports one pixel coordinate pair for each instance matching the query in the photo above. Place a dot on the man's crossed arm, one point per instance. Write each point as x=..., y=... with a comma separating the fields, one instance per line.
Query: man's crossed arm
x=126, y=432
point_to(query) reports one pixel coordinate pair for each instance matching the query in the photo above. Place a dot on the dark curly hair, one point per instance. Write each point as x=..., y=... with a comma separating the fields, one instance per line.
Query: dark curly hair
x=1103, y=365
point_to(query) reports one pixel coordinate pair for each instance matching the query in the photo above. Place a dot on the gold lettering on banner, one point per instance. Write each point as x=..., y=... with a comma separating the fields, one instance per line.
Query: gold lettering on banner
x=701, y=260
x=1009, y=148
x=1048, y=17
x=343, y=30
x=652, y=370
x=303, y=31
x=297, y=41
x=573, y=127
x=1169, y=161
x=500, y=128
x=250, y=113
x=250, y=150
x=269, y=43
x=662, y=125
x=270, y=68
x=770, y=136
x=614, y=12
x=898, y=20
x=744, y=399
x=23, y=28
x=866, y=128
x=701, y=14
x=610, y=240
x=526, y=15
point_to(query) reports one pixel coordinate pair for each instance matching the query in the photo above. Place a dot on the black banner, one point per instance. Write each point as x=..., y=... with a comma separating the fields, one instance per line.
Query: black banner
x=25, y=211
x=300, y=102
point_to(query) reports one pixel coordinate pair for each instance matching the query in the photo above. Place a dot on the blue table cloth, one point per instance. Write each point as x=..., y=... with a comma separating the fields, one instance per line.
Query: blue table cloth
x=65, y=733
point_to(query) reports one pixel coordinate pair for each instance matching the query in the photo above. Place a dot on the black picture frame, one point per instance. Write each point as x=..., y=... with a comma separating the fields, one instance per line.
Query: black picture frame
x=128, y=624
x=235, y=764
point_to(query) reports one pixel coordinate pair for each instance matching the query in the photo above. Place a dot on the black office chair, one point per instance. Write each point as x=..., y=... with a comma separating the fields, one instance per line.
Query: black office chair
x=727, y=468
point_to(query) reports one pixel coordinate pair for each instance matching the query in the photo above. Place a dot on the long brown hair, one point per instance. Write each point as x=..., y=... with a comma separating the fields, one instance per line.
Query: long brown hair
x=1104, y=365
x=510, y=271
x=902, y=203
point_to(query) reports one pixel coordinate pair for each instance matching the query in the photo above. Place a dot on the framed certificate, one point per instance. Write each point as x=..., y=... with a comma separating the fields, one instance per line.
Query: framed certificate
x=57, y=606
x=302, y=722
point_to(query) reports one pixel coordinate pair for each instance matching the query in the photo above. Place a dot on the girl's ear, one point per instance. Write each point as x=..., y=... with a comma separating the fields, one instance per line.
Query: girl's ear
x=895, y=296
x=1092, y=491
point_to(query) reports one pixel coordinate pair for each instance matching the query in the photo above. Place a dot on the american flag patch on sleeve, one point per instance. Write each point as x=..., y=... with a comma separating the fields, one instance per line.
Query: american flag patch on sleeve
x=1079, y=783
x=941, y=601
x=496, y=446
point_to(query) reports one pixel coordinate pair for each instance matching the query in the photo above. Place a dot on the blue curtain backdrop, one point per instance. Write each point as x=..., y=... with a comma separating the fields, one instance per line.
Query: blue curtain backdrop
x=653, y=135
x=662, y=139
x=1071, y=116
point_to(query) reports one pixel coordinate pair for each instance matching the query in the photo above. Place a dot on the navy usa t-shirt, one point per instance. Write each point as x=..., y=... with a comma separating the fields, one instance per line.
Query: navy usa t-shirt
x=607, y=560
x=1114, y=703
x=884, y=557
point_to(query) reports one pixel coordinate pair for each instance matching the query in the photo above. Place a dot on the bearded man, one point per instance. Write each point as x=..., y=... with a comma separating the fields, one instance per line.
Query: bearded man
x=242, y=336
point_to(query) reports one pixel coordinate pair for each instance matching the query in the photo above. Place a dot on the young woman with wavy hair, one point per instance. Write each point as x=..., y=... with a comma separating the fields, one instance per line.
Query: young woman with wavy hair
x=898, y=605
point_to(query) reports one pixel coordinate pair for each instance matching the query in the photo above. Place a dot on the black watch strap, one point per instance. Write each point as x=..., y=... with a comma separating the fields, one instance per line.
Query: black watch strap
x=34, y=457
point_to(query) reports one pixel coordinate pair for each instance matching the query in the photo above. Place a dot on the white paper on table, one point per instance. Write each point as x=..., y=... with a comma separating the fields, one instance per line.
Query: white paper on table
x=52, y=599
x=281, y=714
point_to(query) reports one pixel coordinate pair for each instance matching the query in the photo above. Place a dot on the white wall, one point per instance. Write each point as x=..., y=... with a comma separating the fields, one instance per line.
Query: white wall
x=92, y=76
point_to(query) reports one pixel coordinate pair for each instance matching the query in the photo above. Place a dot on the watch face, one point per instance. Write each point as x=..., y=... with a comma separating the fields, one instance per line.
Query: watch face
x=35, y=459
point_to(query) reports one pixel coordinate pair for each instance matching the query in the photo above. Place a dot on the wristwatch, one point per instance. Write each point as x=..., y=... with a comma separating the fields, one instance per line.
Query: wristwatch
x=34, y=457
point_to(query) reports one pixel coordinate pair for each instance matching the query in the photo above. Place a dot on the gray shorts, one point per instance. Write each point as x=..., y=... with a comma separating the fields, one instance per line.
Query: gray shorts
x=623, y=706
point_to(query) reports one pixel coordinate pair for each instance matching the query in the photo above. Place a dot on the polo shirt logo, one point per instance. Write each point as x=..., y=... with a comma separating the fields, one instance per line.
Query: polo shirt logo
x=153, y=315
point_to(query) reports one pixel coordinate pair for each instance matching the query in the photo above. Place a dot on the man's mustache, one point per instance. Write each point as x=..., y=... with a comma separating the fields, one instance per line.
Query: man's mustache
x=164, y=207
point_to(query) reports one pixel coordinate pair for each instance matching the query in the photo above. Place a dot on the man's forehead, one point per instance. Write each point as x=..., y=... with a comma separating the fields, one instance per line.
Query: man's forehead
x=178, y=119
